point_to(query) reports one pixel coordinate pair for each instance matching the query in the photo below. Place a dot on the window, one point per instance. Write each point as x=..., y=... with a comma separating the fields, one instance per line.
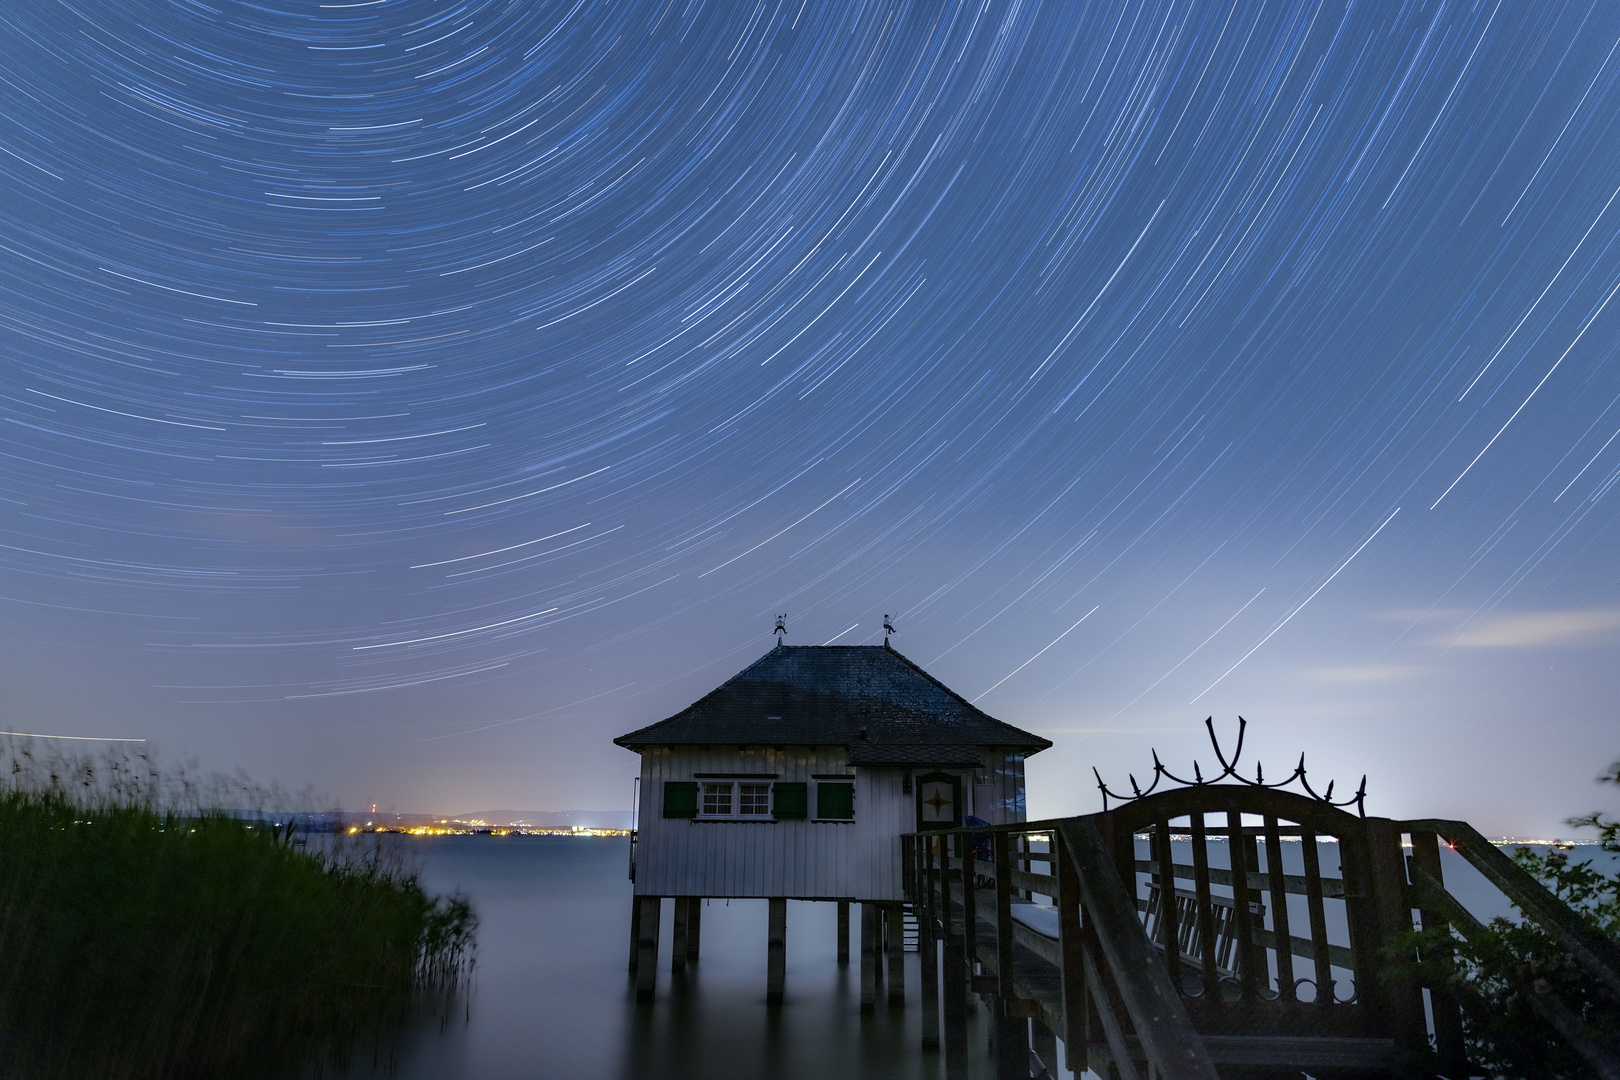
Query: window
x=737, y=800
x=716, y=800
x=754, y=800
x=835, y=802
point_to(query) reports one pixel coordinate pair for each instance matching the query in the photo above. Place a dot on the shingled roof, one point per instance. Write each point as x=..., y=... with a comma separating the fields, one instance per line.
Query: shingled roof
x=866, y=697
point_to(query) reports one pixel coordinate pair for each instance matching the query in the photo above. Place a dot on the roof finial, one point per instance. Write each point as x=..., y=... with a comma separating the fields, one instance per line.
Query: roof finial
x=888, y=628
x=781, y=627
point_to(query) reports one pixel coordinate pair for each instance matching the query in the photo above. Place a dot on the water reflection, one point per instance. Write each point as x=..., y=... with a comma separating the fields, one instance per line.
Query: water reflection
x=552, y=997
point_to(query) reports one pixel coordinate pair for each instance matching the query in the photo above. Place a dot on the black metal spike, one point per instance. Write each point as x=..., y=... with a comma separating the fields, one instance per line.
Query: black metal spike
x=1135, y=787
x=1198, y=777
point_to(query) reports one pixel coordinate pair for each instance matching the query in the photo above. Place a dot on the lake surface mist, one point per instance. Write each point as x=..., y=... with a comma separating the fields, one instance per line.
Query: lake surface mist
x=552, y=996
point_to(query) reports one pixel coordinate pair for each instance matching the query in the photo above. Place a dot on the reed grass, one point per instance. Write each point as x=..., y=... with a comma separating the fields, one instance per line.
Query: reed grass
x=147, y=933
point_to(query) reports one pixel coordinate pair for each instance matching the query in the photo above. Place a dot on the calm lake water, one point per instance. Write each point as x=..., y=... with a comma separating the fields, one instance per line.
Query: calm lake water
x=551, y=995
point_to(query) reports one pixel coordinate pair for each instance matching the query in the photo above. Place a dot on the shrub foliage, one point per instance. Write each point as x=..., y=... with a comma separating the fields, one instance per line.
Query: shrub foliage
x=1497, y=974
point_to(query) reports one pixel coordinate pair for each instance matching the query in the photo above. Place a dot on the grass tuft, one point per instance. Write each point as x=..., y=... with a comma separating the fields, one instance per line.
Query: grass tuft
x=144, y=935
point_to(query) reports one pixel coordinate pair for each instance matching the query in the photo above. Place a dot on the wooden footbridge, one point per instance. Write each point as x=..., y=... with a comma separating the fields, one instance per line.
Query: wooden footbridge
x=1214, y=930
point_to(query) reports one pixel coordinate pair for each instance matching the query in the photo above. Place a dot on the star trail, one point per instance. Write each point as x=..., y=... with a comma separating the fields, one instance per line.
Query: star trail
x=406, y=397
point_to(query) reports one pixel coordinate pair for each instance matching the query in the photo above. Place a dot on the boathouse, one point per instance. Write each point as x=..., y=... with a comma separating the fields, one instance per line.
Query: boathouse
x=796, y=779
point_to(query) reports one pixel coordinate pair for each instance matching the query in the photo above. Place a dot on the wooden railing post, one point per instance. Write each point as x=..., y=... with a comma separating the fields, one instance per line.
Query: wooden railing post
x=1011, y=1031
x=1448, y=1031
x=1071, y=946
x=1383, y=914
x=1165, y=1032
x=956, y=963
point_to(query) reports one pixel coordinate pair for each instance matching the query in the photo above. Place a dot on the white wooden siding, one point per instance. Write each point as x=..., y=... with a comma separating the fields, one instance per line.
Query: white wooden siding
x=807, y=859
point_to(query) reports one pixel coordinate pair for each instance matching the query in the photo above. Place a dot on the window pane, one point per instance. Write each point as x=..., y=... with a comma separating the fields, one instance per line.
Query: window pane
x=717, y=799
x=755, y=799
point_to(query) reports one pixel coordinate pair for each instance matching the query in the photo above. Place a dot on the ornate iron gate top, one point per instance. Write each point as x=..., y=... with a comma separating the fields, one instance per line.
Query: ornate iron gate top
x=1229, y=769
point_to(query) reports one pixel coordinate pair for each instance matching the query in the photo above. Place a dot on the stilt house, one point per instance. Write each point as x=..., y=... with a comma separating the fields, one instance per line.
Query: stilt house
x=796, y=778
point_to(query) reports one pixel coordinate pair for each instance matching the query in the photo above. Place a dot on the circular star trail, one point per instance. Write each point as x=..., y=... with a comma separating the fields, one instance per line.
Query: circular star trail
x=412, y=396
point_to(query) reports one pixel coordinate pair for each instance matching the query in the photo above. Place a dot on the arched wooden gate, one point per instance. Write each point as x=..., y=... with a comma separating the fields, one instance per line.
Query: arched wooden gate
x=1215, y=930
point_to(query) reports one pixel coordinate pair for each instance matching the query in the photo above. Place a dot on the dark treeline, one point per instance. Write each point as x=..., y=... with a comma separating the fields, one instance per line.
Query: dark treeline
x=146, y=933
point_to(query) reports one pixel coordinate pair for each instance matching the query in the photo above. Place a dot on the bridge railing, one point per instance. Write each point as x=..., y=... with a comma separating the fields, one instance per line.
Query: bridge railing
x=1268, y=959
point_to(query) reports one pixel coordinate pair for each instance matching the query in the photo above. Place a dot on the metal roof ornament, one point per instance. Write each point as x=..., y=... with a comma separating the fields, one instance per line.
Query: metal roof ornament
x=1229, y=769
x=888, y=628
x=781, y=627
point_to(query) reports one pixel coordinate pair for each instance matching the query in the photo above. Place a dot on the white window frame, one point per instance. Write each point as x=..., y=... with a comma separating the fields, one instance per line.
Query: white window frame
x=734, y=800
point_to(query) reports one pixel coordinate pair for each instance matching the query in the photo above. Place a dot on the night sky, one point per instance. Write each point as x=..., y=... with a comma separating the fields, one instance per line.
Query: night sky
x=405, y=398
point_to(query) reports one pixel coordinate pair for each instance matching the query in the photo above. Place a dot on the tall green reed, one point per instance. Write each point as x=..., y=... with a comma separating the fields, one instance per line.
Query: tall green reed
x=145, y=932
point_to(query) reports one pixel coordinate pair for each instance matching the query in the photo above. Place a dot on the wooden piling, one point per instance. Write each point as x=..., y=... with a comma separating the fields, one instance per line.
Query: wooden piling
x=895, y=944
x=635, y=932
x=1010, y=1035
x=956, y=974
x=843, y=933
x=647, y=953
x=677, y=945
x=776, y=951
x=928, y=950
x=694, y=927
x=869, y=942
x=1043, y=1044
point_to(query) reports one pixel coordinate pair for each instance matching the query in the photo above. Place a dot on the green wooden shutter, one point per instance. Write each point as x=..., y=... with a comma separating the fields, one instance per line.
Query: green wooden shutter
x=789, y=801
x=680, y=798
x=835, y=801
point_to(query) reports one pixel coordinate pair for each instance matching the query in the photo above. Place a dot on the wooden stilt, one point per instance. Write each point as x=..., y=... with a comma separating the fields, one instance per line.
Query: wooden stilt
x=880, y=936
x=677, y=945
x=956, y=1001
x=894, y=942
x=869, y=942
x=928, y=952
x=647, y=953
x=843, y=933
x=1043, y=1044
x=694, y=927
x=1011, y=1036
x=776, y=951
x=635, y=931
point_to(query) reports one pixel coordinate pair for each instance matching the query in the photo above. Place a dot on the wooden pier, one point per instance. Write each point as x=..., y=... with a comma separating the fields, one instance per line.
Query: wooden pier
x=1077, y=930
